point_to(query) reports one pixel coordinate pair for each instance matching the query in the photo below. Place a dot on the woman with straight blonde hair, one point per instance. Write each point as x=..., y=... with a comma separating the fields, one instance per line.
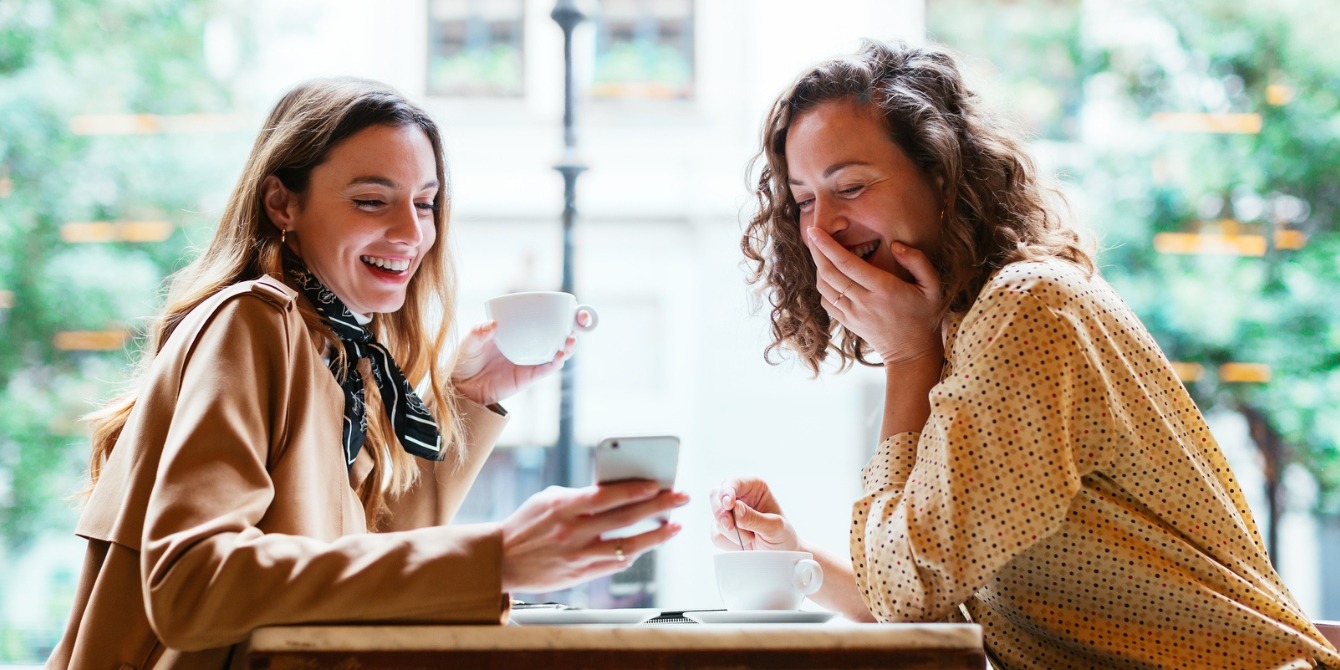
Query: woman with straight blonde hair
x=294, y=446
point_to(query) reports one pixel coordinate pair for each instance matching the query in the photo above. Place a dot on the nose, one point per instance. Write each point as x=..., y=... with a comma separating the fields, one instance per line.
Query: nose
x=407, y=226
x=829, y=214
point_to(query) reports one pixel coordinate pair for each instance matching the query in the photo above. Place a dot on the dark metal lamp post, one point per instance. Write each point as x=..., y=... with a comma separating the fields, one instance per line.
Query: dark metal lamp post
x=567, y=16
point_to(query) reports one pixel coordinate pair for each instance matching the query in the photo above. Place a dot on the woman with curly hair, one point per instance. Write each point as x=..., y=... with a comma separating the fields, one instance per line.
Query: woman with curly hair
x=1041, y=469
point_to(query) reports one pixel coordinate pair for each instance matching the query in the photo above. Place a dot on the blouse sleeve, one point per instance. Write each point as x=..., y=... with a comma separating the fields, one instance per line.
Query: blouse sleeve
x=990, y=474
x=211, y=575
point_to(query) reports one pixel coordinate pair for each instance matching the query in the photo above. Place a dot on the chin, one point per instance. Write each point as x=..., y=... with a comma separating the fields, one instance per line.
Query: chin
x=385, y=306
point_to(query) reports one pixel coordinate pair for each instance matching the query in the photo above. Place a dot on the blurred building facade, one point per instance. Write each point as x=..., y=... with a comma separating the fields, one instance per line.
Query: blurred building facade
x=673, y=93
x=672, y=96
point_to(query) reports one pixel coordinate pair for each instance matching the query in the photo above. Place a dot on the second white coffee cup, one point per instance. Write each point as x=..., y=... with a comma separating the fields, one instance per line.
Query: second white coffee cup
x=533, y=325
x=766, y=580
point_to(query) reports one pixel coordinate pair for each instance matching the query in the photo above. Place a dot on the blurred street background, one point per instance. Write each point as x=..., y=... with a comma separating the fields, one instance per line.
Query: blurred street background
x=1198, y=141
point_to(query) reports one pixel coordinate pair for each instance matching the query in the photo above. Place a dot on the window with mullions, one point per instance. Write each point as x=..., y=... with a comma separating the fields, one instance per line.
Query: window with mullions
x=644, y=49
x=474, y=47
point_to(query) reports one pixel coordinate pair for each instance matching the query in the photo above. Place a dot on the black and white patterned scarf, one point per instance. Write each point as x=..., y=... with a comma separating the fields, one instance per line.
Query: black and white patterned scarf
x=410, y=420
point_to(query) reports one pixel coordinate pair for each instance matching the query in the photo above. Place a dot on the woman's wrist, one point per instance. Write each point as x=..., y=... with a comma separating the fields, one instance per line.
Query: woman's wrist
x=472, y=392
x=932, y=350
x=925, y=360
x=907, y=386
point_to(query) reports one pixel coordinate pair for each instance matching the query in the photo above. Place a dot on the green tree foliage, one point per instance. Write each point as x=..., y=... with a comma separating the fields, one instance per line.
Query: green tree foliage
x=1134, y=178
x=1281, y=309
x=61, y=60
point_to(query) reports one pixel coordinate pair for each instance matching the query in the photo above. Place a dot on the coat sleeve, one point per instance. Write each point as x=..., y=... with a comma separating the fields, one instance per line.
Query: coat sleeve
x=990, y=474
x=441, y=487
x=211, y=575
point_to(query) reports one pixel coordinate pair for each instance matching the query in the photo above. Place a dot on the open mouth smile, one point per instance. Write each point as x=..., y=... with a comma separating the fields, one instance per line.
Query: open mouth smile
x=866, y=250
x=392, y=265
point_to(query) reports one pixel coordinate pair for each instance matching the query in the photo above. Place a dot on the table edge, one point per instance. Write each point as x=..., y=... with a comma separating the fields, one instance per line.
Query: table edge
x=911, y=636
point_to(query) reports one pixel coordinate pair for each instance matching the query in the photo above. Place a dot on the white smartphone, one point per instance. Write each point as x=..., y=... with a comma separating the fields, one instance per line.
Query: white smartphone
x=651, y=457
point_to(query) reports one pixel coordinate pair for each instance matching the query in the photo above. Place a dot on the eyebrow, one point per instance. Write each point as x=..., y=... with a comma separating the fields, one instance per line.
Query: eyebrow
x=831, y=169
x=383, y=181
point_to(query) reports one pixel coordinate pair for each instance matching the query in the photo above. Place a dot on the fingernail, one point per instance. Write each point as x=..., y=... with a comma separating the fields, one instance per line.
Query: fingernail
x=675, y=528
x=681, y=498
x=725, y=500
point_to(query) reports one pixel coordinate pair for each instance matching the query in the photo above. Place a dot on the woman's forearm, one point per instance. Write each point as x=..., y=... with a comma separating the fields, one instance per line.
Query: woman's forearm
x=839, y=592
x=907, y=387
x=906, y=409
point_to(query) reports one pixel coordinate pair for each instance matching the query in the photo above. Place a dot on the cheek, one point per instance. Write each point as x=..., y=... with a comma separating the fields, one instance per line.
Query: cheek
x=429, y=235
x=930, y=205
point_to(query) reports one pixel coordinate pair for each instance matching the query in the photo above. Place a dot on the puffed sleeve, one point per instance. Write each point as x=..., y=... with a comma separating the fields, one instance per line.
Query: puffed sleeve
x=991, y=473
x=211, y=575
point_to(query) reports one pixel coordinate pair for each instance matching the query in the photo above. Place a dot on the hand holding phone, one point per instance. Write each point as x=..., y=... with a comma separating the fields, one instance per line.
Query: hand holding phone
x=652, y=457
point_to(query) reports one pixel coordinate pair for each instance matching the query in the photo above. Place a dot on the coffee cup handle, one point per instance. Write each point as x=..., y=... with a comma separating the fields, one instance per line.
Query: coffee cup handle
x=591, y=312
x=808, y=576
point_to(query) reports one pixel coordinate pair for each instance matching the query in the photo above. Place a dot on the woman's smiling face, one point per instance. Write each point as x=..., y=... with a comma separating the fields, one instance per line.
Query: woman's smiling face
x=849, y=178
x=366, y=219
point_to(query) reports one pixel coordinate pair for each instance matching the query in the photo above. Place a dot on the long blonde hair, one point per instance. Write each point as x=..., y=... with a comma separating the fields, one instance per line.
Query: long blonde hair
x=298, y=135
x=996, y=208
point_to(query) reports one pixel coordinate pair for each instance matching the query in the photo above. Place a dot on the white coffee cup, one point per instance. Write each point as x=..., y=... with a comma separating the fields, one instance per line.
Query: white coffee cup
x=533, y=325
x=766, y=580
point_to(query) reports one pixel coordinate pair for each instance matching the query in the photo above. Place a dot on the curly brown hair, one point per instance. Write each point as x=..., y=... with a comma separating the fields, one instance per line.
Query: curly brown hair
x=996, y=209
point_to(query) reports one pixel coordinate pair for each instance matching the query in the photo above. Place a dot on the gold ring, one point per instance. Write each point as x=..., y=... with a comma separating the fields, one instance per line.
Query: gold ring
x=618, y=552
x=843, y=293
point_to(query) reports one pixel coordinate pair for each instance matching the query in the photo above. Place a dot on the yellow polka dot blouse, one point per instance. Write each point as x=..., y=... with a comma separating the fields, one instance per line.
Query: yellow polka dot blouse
x=1067, y=492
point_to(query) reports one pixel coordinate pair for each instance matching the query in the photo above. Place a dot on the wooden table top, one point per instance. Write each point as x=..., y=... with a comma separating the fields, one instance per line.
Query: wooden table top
x=833, y=635
x=832, y=645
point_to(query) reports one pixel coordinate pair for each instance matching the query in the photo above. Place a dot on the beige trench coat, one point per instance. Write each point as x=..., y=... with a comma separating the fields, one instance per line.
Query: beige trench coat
x=226, y=506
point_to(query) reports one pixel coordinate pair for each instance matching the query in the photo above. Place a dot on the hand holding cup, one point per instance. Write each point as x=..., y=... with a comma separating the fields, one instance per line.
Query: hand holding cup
x=529, y=336
x=533, y=325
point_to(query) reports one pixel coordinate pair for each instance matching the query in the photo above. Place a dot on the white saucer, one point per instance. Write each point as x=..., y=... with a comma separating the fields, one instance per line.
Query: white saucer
x=541, y=616
x=760, y=616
